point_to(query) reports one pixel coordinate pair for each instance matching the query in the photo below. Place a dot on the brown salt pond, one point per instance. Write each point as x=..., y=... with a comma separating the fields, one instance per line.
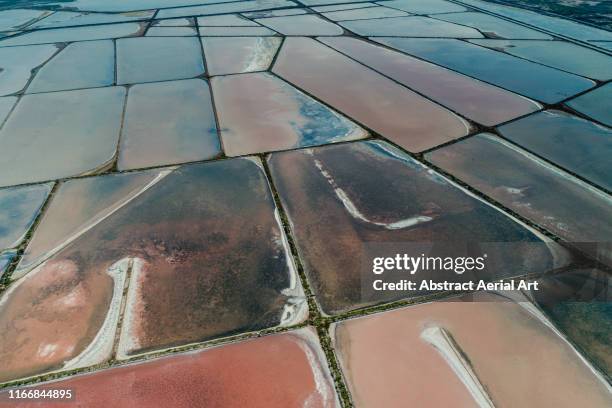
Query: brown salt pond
x=283, y=370
x=63, y=314
x=479, y=101
x=78, y=206
x=534, y=189
x=274, y=115
x=579, y=302
x=377, y=102
x=167, y=123
x=480, y=350
x=213, y=261
x=214, y=255
x=365, y=193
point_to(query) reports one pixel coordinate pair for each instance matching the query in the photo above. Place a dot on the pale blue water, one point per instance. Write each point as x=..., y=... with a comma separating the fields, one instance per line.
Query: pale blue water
x=595, y=12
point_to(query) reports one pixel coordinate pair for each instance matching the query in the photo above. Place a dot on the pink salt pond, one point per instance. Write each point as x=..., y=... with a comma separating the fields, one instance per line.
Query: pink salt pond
x=369, y=98
x=486, y=352
x=285, y=370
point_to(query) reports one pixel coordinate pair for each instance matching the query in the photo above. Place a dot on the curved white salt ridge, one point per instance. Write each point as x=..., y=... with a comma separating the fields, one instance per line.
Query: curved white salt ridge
x=317, y=364
x=354, y=211
x=103, y=215
x=127, y=341
x=408, y=222
x=102, y=345
x=523, y=301
x=438, y=338
x=296, y=308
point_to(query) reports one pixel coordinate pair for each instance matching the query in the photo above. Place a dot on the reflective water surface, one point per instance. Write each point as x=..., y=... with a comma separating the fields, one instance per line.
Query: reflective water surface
x=526, y=78
x=167, y=123
x=158, y=59
x=476, y=100
x=87, y=64
x=573, y=143
x=44, y=128
x=532, y=188
x=274, y=116
x=367, y=192
x=478, y=352
x=395, y=112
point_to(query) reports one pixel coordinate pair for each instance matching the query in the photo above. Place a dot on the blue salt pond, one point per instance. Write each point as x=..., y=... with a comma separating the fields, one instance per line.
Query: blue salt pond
x=20, y=18
x=555, y=25
x=493, y=27
x=595, y=104
x=151, y=59
x=19, y=207
x=173, y=22
x=105, y=6
x=576, y=144
x=6, y=104
x=524, y=77
x=230, y=20
x=87, y=64
x=47, y=128
x=557, y=54
x=364, y=13
x=171, y=32
x=235, y=31
x=338, y=7
x=98, y=32
x=71, y=19
x=221, y=8
x=413, y=26
x=307, y=25
x=17, y=63
x=168, y=123
x=275, y=13
x=424, y=6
